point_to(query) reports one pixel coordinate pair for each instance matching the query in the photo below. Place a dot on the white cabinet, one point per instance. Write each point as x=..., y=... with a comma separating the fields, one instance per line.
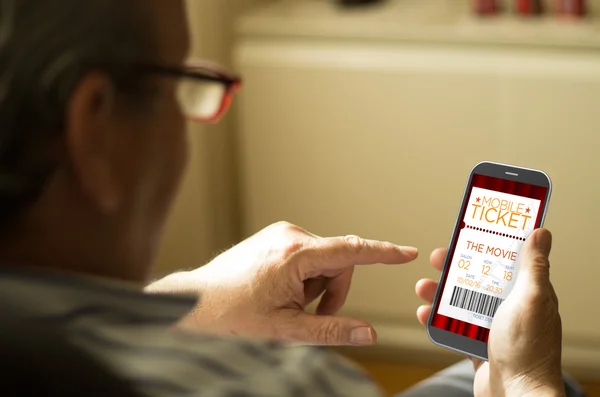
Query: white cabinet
x=350, y=124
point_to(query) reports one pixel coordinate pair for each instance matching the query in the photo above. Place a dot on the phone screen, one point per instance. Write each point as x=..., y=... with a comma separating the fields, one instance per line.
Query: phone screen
x=496, y=219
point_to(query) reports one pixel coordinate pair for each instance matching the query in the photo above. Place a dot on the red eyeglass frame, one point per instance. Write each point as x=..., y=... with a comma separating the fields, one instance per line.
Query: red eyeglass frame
x=206, y=71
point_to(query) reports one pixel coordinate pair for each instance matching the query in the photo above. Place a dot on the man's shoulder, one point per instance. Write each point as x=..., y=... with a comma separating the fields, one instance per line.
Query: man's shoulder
x=166, y=362
x=59, y=297
x=132, y=334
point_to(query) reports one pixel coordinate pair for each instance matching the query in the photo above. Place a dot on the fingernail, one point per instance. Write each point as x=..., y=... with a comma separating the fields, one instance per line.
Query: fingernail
x=543, y=240
x=361, y=336
x=412, y=251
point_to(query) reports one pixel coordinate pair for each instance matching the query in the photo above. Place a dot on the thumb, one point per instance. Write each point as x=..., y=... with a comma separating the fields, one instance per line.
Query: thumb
x=333, y=330
x=534, y=265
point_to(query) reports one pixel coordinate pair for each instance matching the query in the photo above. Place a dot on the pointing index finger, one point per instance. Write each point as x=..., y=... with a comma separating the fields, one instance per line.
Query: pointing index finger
x=337, y=253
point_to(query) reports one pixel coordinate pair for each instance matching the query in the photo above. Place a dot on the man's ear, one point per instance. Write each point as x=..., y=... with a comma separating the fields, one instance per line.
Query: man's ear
x=89, y=119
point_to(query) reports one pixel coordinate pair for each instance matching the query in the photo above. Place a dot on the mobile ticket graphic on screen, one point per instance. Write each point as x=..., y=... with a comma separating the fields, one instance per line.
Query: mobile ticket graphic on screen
x=497, y=218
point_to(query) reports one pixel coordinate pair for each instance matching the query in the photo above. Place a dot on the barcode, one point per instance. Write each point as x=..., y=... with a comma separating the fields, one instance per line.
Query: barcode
x=475, y=301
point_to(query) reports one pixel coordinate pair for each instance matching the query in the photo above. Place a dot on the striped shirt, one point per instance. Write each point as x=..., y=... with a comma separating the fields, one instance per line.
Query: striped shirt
x=132, y=333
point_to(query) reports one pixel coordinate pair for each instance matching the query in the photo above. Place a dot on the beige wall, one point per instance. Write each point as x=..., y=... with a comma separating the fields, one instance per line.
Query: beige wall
x=343, y=134
x=205, y=219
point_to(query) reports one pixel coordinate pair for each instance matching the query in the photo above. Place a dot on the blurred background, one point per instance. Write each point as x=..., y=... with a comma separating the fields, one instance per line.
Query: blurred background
x=367, y=119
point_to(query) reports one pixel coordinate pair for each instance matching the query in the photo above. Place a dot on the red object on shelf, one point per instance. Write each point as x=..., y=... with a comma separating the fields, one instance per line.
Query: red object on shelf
x=573, y=8
x=529, y=7
x=486, y=7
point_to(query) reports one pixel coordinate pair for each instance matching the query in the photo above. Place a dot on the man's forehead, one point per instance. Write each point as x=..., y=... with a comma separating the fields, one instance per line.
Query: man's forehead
x=171, y=28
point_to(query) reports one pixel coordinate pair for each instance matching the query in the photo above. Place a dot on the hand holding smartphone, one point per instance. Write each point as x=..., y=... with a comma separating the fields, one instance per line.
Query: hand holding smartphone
x=501, y=206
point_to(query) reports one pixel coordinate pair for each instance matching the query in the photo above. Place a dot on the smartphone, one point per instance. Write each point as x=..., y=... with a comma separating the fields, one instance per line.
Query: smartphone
x=502, y=205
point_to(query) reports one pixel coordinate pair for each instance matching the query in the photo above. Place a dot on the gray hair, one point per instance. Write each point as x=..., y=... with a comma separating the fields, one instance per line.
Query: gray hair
x=46, y=46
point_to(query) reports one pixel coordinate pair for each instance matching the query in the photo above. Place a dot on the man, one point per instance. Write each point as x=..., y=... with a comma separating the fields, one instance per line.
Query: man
x=92, y=101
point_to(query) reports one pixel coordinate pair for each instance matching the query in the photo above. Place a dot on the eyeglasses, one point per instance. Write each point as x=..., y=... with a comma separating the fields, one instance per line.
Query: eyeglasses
x=204, y=90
